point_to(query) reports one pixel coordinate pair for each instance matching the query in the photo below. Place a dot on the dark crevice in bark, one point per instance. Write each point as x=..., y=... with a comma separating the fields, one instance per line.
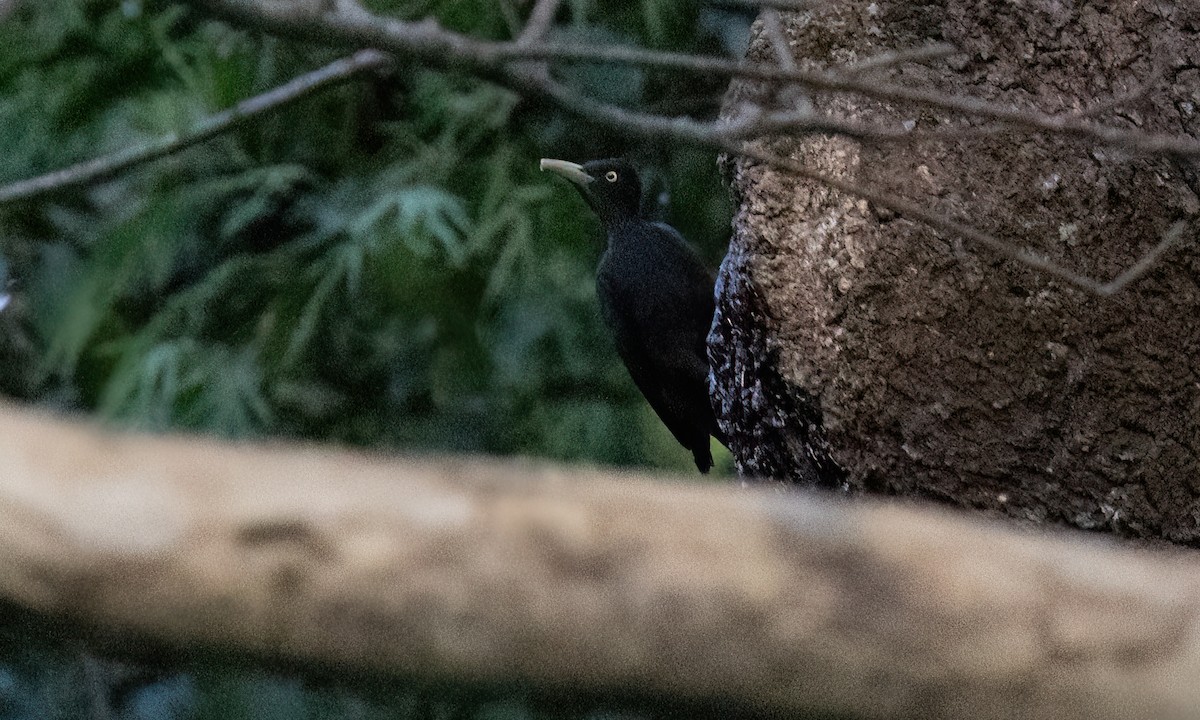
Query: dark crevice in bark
x=774, y=430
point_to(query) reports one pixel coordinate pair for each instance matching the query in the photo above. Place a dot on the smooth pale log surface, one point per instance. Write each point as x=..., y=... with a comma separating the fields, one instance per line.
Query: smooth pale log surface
x=573, y=580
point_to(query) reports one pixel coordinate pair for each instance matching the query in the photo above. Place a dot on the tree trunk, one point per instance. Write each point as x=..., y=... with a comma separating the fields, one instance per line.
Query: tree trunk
x=856, y=348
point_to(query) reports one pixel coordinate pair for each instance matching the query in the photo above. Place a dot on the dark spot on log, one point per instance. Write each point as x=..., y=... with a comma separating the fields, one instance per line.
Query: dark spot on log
x=582, y=561
x=288, y=580
x=288, y=532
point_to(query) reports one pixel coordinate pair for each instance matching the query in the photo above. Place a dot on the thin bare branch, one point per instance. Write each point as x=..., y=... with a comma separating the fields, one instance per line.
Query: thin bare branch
x=1071, y=124
x=1108, y=105
x=108, y=166
x=339, y=71
x=790, y=95
x=426, y=39
x=722, y=138
x=1139, y=268
x=808, y=121
x=923, y=54
x=727, y=136
x=541, y=18
x=773, y=29
x=915, y=212
x=349, y=7
x=947, y=224
x=791, y=5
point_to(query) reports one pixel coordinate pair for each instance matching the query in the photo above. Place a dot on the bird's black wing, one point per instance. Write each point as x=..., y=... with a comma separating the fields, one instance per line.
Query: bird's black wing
x=696, y=309
x=660, y=321
x=678, y=393
x=702, y=282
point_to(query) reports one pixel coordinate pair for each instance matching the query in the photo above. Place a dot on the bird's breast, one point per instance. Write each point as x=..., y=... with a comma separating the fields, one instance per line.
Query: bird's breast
x=633, y=292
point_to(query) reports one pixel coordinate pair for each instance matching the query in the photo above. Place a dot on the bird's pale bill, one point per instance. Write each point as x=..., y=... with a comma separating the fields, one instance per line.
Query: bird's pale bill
x=4, y=301
x=571, y=171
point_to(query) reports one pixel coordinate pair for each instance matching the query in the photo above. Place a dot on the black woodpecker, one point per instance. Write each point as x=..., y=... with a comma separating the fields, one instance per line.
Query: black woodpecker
x=657, y=300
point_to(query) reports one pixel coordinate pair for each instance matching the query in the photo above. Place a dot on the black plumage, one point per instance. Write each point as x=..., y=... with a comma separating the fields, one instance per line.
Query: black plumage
x=656, y=296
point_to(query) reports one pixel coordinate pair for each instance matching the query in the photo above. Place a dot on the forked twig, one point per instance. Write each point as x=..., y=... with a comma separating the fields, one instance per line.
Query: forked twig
x=107, y=166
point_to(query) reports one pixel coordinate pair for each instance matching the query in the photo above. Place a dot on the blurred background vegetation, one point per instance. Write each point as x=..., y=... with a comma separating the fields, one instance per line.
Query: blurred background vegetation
x=379, y=265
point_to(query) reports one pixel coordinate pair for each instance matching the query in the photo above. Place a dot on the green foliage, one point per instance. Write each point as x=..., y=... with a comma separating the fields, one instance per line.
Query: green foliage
x=381, y=264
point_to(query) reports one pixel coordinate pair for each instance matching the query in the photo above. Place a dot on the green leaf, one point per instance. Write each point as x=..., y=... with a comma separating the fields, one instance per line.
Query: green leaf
x=425, y=218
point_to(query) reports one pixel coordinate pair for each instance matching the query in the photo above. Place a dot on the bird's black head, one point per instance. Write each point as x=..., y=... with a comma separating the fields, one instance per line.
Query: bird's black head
x=611, y=187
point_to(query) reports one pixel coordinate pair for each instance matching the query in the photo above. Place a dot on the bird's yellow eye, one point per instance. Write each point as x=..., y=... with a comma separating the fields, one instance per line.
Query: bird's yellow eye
x=611, y=176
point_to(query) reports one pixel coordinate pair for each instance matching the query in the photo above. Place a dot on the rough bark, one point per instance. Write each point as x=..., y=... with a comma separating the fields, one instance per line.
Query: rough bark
x=920, y=366
x=587, y=582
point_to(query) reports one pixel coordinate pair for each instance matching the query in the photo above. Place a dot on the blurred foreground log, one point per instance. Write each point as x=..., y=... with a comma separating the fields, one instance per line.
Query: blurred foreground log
x=578, y=581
